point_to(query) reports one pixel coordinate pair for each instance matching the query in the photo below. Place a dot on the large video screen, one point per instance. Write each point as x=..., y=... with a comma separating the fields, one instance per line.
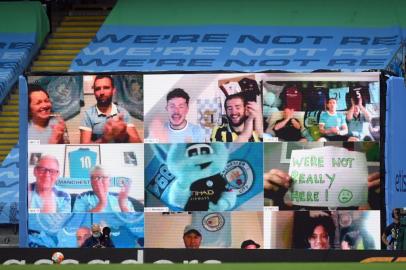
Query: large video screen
x=220, y=160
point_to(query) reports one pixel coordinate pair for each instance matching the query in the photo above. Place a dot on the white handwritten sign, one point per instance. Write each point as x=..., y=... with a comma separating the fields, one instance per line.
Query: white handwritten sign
x=328, y=177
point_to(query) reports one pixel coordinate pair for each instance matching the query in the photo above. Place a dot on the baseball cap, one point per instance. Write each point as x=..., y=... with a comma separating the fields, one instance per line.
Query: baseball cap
x=190, y=228
x=249, y=242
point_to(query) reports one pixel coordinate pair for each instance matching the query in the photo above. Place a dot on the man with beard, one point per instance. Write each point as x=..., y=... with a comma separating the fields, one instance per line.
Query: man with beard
x=244, y=121
x=106, y=122
x=94, y=240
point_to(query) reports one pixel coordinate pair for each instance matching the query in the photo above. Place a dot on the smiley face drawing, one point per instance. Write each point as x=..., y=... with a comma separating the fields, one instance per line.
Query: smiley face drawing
x=345, y=196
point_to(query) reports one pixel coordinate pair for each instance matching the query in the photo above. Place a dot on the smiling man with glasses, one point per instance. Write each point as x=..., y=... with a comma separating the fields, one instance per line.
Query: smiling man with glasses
x=44, y=197
x=100, y=199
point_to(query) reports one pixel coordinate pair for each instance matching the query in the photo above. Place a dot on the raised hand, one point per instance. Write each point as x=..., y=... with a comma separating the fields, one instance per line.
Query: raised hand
x=123, y=197
x=58, y=130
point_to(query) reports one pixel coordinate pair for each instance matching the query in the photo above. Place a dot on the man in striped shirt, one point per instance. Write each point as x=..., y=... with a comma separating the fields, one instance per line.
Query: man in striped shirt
x=244, y=121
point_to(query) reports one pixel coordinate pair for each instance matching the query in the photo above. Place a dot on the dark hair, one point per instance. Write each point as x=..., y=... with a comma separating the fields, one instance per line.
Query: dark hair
x=103, y=76
x=249, y=242
x=106, y=231
x=234, y=96
x=330, y=99
x=31, y=89
x=304, y=225
x=326, y=223
x=395, y=211
x=349, y=239
x=178, y=92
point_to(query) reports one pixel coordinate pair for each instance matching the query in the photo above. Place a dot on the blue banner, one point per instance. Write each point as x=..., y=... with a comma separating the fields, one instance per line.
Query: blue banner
x=238, y=48
x=395, y=146
x=9, y=185
x=16, y=51
x=397, y=64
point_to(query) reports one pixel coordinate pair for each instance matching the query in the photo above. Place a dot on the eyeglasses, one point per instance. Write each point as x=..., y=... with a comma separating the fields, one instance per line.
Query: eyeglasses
x=99, y=178
x=43, y=170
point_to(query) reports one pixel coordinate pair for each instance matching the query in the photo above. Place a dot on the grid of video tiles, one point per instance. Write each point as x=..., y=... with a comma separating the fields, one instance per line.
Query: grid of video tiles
x=259, y=160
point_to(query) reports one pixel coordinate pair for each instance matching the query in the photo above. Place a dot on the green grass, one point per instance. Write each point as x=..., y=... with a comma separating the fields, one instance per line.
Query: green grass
x=343, y=13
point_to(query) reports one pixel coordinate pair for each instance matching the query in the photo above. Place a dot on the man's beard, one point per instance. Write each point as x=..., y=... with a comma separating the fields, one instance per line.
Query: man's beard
x=104, y=103
x=239, y=123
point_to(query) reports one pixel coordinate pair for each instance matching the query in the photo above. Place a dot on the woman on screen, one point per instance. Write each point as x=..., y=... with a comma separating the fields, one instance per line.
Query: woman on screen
x=314, y=230
x=44, y=127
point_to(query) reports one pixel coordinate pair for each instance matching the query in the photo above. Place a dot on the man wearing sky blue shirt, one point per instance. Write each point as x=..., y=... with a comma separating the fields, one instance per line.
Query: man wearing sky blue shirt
x=43, y=195
x=332, y=124
x=100, y=199
x=177, y=129
x=106, y=122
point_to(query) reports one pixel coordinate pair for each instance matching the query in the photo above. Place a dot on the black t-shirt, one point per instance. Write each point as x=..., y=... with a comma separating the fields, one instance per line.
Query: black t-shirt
x=106, y=241
x=288, y=132
x=92, y=242
x=249, y=89
x=393, y=231
x=204, y=191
